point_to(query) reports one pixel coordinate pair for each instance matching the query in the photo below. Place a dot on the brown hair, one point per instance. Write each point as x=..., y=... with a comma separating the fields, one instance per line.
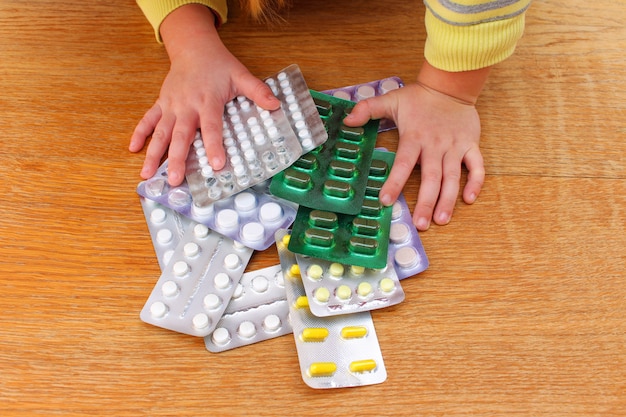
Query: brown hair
x=263, y=10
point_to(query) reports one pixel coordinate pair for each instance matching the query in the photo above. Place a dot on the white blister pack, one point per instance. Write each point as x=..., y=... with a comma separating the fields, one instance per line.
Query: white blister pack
x=250, y=217
x=333, y=352
x=258, y=144
x=166, y=228
x=290, y=87
x=257, y=311
x=195, y=286
x=405, y=245
x=334, y=288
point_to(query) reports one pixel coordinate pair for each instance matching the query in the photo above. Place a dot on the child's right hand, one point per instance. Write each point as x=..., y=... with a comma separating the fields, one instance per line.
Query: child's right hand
x=203, y=77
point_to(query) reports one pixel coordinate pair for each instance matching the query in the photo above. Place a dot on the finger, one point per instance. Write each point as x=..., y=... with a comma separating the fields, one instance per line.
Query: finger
x=429, y=190
x=372, y=108
x=476, y=175
x=449, y=188
x=259, y=92
x=182, y=135
x=406, y=158
x=211, y=127
x=158, y=145
x=144, y=128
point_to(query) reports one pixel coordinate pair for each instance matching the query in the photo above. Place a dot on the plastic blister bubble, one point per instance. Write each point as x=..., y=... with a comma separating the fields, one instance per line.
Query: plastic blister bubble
x=250, y=217
x=405, y=246
x=166, y=228
x=333, y=352
x=290, y=87
x=363, y=91
x=333, y=176
x=197, y=283
x=334, y=288
x=361, y=240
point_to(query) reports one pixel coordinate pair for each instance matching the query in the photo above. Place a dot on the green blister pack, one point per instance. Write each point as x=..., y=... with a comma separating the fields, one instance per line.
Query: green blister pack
x=333, y=176
x=361, y=239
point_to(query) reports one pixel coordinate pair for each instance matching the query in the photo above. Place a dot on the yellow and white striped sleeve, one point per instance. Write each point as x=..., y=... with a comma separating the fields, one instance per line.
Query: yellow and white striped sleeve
x=157, y=10
x=471, y=34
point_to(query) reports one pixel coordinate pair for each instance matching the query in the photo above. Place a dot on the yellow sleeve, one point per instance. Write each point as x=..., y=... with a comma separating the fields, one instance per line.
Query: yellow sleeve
x=157, y=10
x=465, y=35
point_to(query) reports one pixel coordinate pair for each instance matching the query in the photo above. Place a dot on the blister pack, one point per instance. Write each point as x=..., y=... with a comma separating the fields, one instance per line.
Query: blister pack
x=361, y=240
x=166, y=228
x=289, y=86
x=405, y=245
x=258, y=144
x=250, y=217
x=333, y=176
x=363, y=91
x=196, y=284
x=334, y=288
x=333, y=352
x=257, y=311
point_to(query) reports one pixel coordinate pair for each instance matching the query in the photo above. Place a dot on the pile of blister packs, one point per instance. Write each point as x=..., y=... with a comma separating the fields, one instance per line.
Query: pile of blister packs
x=300, y=179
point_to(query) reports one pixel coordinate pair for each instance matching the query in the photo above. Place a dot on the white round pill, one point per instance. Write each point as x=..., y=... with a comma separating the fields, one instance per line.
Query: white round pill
x=365, y=91
x=388, y=85
x=271, y=323
x=200, y=231
x=220, y=336
x=270, y=212
x=398, y=233
x=396, y=210
x=252, y=232
x=200, y=152
x=260, y=284
x=169, y=289
x=200, y=321
x=158, y=216
x=227, y=219
x=207, y=171
x=406, y=257
x=181, y=268
x=197, y=143
x=221, y=281
x=246, y=329
x=158, y=310
x=191, y=249
x=164, y=236
x=211, y=301
x=342, y=94
x=232, y=261
x=204, y=212
x=245, y=201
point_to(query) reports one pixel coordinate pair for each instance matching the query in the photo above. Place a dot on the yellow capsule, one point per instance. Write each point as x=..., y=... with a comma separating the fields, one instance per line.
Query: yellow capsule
x=318, y=369
x=302, y=302
x=314, y=334
x=353, y=332
x=286, y=240
x=294, y=270
x=366, y=365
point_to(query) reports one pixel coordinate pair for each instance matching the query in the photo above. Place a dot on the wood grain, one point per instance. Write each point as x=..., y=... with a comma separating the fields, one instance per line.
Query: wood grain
x=521, y=313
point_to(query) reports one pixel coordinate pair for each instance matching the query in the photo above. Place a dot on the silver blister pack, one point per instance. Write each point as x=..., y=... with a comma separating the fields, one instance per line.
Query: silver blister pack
x=290, y=87
x=334, y=288
x=195, y=286
x=333, y=352
x=166, y=228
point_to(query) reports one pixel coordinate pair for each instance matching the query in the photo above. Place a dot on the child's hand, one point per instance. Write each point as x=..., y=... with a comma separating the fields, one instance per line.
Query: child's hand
x=440, y=133
x=203, y=76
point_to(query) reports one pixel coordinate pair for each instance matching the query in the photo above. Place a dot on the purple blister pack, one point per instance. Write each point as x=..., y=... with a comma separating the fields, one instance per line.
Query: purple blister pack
x=405, y=245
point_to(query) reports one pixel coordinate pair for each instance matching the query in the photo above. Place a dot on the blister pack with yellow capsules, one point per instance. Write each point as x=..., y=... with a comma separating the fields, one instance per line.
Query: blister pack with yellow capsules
x=333, y=352
x=361, y=239
x=194, y=287
x=332, y=177
x=334, y=288
x=257, y=311
x=371, y=89
x=405, y=246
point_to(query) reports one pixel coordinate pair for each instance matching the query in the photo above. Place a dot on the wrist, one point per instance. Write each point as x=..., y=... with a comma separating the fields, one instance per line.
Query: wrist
x=464, y=86
x=186, y=26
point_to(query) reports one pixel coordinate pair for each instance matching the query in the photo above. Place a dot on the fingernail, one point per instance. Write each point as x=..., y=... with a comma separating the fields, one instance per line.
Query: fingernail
x=472, y=198
x=423, y=223
x=174, y=177
x=385, y=200
x=444, y=218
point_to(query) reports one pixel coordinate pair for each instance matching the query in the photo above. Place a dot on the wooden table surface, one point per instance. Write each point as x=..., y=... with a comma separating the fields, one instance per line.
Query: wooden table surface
x=521, y=312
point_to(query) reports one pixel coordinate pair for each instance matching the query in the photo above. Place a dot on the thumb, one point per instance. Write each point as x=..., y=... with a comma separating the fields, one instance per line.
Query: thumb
x=372, y=108
x=259, y=92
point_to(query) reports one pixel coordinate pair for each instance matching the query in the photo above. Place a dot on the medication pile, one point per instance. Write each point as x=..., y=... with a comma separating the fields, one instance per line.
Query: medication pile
x=297, y=178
